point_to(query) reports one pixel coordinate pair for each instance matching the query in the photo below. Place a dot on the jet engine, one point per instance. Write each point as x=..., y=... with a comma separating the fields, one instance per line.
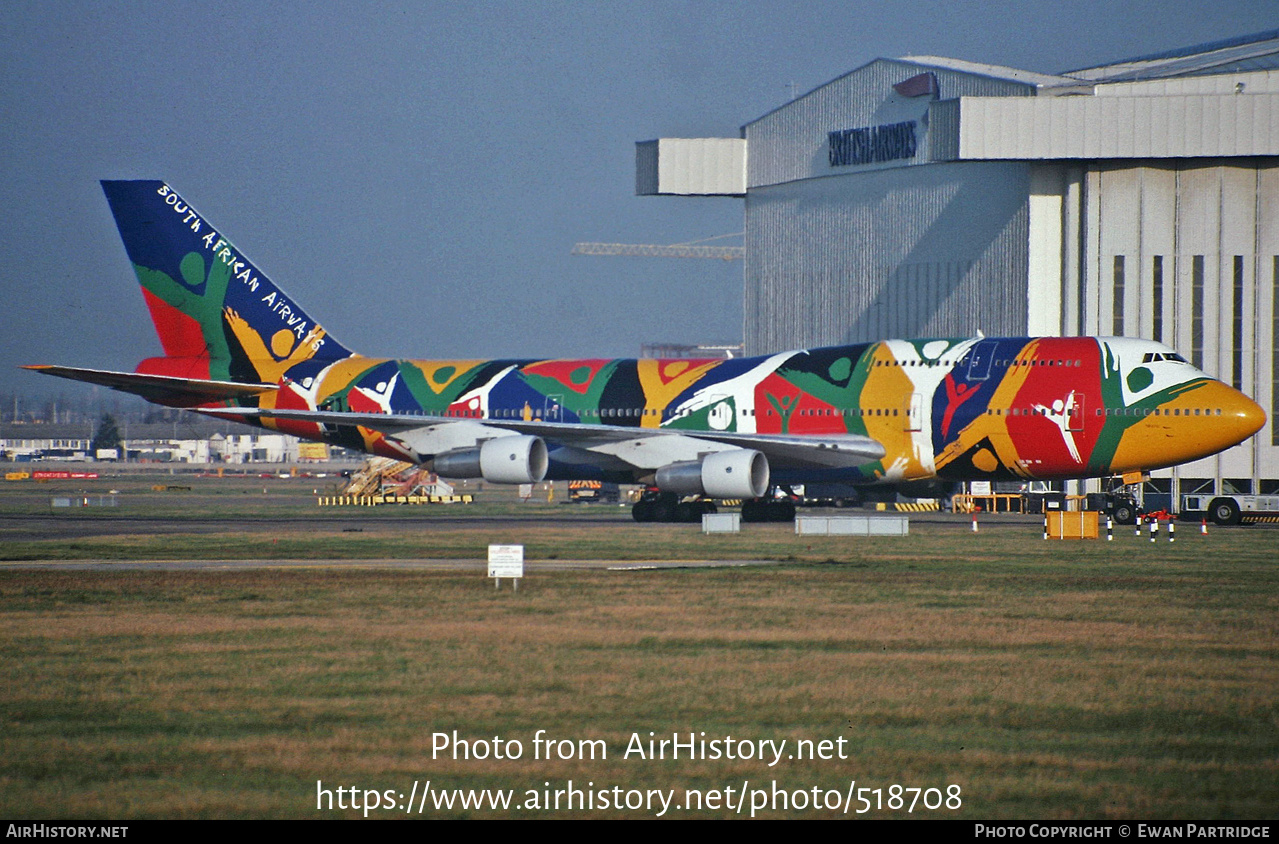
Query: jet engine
x=736, y=473
x=502, y=460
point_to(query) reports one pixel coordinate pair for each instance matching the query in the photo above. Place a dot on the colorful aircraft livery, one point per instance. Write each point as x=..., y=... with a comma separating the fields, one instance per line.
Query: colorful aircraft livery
x=890, y=412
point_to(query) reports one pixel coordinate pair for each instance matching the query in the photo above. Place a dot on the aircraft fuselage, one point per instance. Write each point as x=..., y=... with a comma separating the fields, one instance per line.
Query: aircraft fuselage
x=1043, y=408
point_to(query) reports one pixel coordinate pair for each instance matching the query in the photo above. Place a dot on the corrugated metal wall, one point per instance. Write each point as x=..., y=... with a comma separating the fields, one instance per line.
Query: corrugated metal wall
x=839, y=254
x=916, y=252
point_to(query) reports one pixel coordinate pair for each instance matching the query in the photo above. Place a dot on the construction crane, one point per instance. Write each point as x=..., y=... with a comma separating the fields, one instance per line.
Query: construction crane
x=675, y=250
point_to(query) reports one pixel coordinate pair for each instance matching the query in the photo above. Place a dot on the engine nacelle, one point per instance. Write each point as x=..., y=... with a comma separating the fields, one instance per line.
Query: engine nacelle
x=502, y=460
x=680, y=478
x=736, y=473
x=513, y=460
x=461, y=463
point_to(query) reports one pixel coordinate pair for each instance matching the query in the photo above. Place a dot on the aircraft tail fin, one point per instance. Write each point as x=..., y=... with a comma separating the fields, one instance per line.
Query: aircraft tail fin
x=219, y=318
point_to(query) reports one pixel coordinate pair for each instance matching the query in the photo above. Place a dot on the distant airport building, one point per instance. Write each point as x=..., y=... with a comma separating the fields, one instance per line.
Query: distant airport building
x=928, y=196
x=151, y=444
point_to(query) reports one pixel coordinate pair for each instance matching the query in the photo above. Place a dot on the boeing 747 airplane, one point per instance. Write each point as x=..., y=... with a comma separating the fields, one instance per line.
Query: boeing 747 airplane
x=892, y=412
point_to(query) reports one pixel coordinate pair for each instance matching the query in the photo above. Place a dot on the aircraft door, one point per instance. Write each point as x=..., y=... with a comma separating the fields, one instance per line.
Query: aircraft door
x=1075, y=412
x=915, y=412
x=983, y=355
x=552, y=411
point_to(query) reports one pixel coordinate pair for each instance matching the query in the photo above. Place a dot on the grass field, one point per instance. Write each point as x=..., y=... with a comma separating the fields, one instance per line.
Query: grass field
x=1046, y=680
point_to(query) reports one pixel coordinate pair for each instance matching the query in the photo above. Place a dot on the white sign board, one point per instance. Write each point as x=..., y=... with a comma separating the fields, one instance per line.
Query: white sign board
x=506, y=561
x=979, y=487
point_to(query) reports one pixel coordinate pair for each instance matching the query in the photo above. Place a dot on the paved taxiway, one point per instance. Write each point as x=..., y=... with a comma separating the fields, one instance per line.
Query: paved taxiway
x=35, y=527
x=32, y=527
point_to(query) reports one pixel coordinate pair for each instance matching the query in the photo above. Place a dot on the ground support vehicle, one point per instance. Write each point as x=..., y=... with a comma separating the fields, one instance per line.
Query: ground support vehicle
x=1231, y=509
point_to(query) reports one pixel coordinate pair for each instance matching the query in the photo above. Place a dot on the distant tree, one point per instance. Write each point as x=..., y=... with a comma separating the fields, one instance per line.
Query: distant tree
x=108, y=435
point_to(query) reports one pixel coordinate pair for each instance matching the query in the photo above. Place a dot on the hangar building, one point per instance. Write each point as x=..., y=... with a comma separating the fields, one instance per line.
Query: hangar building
x=927, y=197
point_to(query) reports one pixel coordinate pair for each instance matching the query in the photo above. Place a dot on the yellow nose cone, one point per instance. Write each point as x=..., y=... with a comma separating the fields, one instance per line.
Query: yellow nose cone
x=1248, y=417
x=1240, y=418
x=1200, y=422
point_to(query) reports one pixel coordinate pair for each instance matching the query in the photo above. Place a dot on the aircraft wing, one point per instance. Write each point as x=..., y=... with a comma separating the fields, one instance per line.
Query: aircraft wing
x=646, y=448
x=161, y=389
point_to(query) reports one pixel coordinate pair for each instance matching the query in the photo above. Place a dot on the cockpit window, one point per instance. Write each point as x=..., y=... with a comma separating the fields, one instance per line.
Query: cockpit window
x=1150, y=357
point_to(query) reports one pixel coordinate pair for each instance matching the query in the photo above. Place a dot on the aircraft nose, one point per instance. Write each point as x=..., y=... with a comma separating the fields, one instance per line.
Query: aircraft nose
x=1206, y=419
x=1240, y=417
x=1244, y=415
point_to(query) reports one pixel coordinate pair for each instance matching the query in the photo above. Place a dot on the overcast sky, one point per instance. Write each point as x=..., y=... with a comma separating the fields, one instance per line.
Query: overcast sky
x=415, y=174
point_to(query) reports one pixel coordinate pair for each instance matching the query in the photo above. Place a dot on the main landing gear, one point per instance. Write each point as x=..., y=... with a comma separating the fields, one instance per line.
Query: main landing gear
x=768, y=510
x=666, y=507
x=656, y=506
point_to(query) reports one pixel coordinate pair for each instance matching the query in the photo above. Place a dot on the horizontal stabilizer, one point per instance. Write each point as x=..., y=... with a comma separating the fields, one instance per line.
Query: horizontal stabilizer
x=161, y=389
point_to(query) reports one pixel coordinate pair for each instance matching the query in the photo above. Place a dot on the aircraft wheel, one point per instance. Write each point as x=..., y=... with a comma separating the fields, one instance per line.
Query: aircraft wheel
x=1125, y=514
x=688, y=512
x=1225, y=511
x=642, y=511
x=753, y=511
x=783, y=511
x=709, y=507
x=664, y=509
